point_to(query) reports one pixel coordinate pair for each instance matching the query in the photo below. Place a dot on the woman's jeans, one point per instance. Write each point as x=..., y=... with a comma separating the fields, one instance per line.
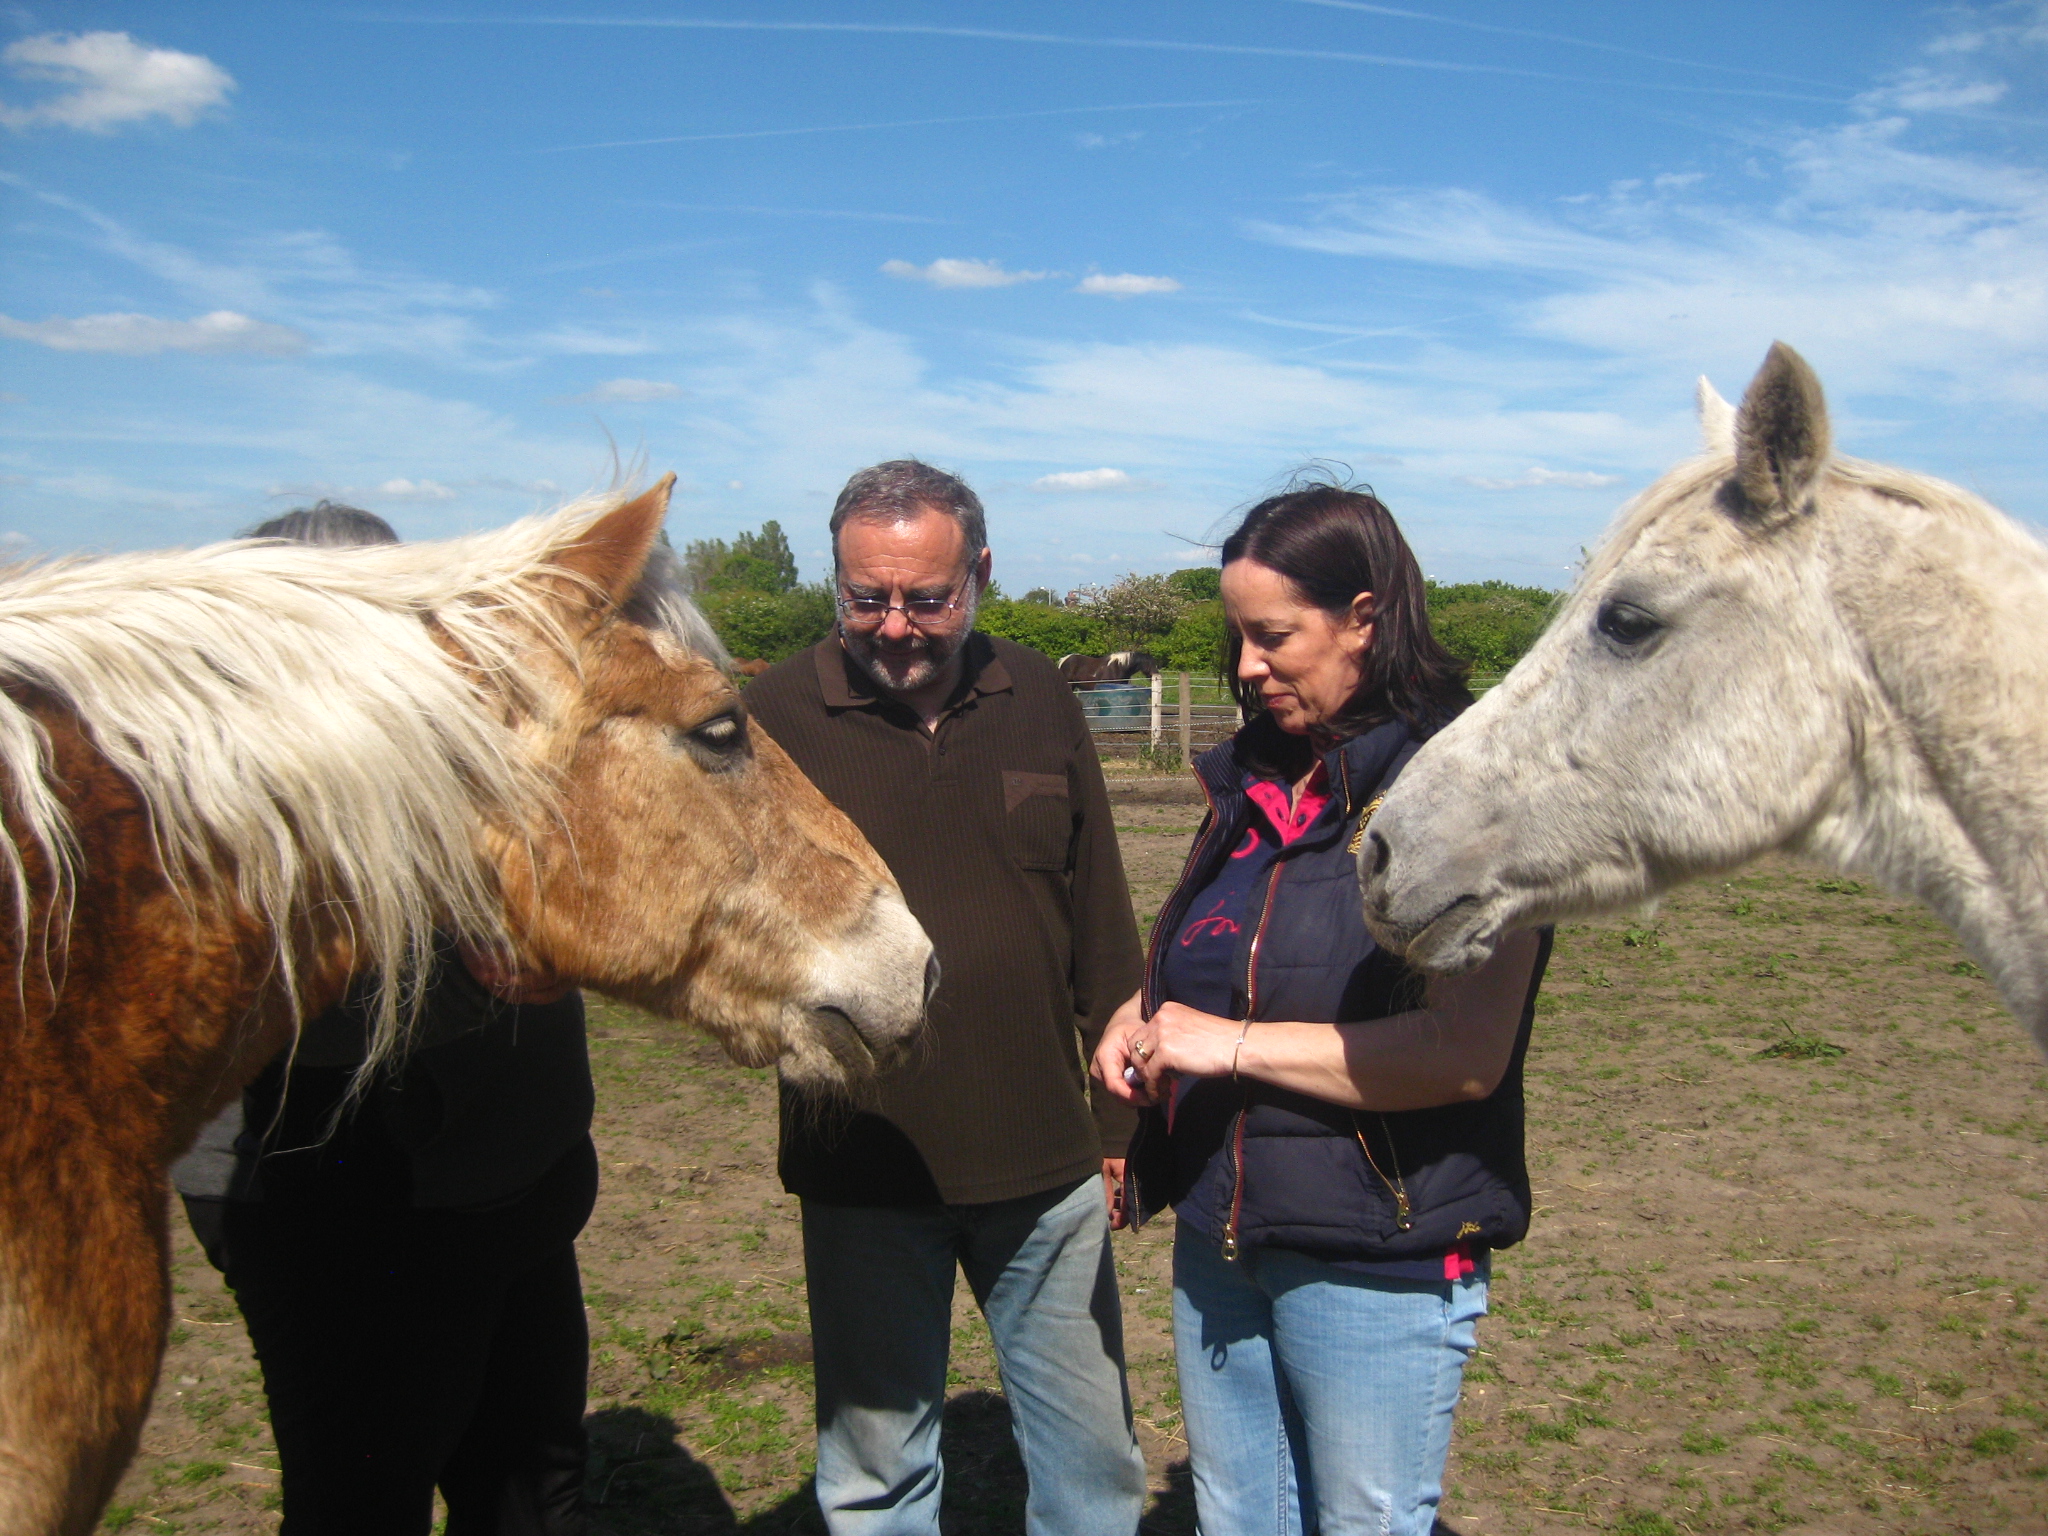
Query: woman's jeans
x=1317, y=1399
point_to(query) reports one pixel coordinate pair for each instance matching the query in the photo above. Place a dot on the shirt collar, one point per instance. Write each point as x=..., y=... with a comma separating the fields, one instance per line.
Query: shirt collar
x=845, y=686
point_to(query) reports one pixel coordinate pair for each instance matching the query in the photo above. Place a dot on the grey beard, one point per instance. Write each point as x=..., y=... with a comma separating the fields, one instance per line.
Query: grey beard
x=906, y=671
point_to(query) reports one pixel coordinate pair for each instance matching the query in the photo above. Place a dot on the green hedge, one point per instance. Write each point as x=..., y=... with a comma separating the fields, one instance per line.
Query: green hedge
x=768, y=626
x=1489, y=625
x=1055, y=631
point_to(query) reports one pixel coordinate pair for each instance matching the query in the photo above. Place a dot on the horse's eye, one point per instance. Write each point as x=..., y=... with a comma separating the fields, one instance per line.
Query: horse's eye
x=719, y=741
x=1626, y=624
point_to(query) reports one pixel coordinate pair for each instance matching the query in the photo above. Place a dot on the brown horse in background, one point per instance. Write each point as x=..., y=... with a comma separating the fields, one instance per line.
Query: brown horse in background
x=1084, y=672
x=234, y=776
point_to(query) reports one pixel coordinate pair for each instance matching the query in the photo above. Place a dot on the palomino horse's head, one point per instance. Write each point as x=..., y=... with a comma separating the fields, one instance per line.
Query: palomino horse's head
x=1692, y=704
x=685, y=865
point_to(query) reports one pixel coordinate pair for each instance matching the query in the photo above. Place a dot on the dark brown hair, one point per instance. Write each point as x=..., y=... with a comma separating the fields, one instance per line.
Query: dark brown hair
x=1333, y=542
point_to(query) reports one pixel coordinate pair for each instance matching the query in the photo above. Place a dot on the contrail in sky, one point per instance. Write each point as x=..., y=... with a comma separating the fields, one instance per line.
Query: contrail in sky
x=1145, y=44
x=1557, y=37
x=908, y=122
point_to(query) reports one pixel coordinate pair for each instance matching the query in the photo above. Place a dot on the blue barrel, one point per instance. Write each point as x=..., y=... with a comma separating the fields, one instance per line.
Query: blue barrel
x=1118, y=702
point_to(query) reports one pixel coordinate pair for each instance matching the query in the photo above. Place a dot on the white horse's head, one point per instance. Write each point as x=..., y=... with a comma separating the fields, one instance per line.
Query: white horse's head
x=1683, y=711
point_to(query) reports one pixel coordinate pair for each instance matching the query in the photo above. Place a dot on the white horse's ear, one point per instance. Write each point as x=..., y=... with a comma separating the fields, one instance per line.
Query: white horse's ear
x=1782, y=440
x=1717, y=418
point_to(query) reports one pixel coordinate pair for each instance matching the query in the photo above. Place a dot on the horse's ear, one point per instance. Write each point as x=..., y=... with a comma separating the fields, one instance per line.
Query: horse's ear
x=1717, y=418
x=610, y=554
x=1781, y=435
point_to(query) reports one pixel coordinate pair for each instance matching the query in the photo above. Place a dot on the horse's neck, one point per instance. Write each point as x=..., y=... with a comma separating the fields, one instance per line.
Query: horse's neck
x=1950, y=801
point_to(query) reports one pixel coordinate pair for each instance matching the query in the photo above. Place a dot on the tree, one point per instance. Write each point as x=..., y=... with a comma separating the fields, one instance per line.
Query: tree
x=1041, y=595
x=768, y=626
x=1489, y=625
x=1135, y=610
x=1055, y=632
x=1195, y=643
x=752, y=562
x=1198, y=583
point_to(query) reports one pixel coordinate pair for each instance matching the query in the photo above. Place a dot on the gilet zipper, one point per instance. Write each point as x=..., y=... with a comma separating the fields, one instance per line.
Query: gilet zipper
x=1251, y=1008
x=1396, y=1186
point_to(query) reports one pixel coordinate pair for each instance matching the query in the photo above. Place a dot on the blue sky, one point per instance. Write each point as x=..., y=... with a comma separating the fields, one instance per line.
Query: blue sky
x=1123, y=266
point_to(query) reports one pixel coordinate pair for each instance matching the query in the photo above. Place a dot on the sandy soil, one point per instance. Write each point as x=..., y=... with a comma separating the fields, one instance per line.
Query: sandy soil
x=1789, y=1292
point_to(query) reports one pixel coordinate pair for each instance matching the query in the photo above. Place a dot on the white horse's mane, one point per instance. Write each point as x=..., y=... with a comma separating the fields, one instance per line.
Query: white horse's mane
x=290, y=718
x=1699, y=475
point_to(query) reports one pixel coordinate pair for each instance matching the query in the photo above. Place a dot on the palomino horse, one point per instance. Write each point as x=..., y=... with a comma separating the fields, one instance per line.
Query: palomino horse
x=237, y=774
x=1772, y=648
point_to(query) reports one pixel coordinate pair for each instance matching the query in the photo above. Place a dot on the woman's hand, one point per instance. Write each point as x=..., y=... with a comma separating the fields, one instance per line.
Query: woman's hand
x=1113, y=1053
x=1175, y=1041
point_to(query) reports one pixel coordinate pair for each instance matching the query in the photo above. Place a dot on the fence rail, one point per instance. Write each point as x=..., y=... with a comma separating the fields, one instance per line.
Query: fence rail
x=1174, y=714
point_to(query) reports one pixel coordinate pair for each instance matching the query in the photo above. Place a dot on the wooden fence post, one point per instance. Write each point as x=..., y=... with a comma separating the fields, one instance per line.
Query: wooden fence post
x=1157, y=680
x=1187, y=724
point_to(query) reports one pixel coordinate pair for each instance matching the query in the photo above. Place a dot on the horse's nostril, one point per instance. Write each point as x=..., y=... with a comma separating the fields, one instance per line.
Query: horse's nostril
x=1381, y=853
x=931, y=979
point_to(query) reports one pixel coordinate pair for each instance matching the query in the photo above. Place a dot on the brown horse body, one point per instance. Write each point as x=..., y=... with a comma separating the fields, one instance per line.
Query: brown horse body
x=1083, y=672
x=676, y=859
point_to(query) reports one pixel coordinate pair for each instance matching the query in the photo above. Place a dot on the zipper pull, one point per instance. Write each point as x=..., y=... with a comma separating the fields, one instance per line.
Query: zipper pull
x=1401, y=1217
x=1230, y=1243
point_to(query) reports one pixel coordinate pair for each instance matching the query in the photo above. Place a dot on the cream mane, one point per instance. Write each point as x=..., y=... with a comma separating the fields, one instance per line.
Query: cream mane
x=288, y=714
x=1683, y=484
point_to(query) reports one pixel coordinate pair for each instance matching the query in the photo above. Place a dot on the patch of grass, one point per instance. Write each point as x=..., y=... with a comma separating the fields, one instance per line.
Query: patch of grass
x=202, y=1471
x=1997, y=1441
x=1702, y=1442
x=1644, y=1522
x=1797, y=1046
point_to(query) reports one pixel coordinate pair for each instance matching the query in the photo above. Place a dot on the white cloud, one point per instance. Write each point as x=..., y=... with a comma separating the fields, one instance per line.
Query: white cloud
x=1896, y=270
x=310, y=281
x=113, y=80
x=576, y=341
x=1922, y=90
x=223, y=331
x=956, y=272
x=401, y=489
x=1125, y=285
x=632, y=392
x=1536, y=474
x=1082, y=480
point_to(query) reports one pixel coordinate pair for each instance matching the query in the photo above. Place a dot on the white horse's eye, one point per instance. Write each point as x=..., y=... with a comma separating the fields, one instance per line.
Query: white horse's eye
x=1626, y=624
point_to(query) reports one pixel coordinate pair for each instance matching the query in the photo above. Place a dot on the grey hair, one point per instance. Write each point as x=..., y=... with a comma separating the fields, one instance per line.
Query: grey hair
x=329, y=523
x=901, y=489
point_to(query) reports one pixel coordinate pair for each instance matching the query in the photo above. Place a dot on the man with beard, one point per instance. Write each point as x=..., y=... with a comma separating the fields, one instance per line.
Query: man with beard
x=967, y=763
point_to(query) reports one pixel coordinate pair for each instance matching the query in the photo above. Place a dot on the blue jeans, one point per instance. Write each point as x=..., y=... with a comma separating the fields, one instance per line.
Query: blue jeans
x=1317, y=1399
x=881, y=1290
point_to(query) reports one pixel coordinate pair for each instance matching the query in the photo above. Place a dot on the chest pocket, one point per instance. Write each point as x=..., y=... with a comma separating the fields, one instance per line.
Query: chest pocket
x=1036, y=818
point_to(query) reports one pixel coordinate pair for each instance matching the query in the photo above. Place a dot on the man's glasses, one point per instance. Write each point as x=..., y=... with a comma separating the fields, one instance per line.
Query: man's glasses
x=924, y=612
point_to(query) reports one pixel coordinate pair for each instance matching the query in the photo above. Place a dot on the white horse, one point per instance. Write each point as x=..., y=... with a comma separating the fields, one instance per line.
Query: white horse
x=1773, y=648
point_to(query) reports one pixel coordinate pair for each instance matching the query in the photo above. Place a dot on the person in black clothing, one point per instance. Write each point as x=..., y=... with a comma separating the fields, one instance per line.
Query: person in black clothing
x=1341, y=1142
x=405, y=1261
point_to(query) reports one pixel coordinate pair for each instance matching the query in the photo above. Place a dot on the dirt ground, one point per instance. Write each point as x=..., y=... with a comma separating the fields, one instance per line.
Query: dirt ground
x=1792, y=1170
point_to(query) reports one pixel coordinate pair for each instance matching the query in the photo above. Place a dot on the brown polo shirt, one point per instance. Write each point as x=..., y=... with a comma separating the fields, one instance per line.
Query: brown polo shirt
x=998, y=828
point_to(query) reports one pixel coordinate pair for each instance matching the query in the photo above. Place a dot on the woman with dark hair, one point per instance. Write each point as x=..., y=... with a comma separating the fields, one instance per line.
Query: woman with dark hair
x=1341, y=1139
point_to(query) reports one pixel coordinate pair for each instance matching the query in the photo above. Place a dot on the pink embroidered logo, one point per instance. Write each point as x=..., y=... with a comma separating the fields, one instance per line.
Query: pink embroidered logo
x=1212, y=926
